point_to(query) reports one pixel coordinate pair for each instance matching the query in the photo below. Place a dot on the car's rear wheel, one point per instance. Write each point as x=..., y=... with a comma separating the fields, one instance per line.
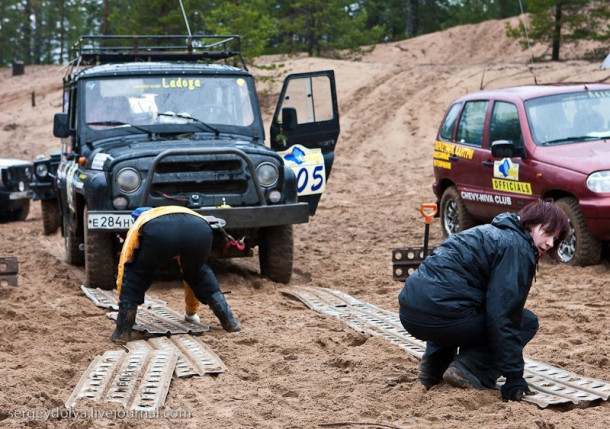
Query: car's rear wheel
x=453, y=212
x=276, y=252
x=579, y=247
x=74, y=254
x=99, y=258
x=50, y=216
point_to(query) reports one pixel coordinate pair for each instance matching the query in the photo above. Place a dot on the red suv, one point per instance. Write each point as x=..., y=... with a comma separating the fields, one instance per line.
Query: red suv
x=498, y=150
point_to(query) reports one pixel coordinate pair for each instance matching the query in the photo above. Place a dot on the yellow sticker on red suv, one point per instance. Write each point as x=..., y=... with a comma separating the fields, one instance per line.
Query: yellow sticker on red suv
x=510, y=186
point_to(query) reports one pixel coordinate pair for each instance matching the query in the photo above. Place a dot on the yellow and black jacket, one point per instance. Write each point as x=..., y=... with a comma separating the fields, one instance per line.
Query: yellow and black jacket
x=132, y=241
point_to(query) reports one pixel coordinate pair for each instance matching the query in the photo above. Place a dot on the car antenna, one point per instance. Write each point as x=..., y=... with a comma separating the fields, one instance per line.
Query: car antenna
x=188, y=29
x=529, y=46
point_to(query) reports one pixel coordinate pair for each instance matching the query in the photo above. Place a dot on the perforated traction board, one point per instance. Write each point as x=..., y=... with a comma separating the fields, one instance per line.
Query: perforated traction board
x=153, y=316
x=552, y=385
x=138, y=380
x=194, y=357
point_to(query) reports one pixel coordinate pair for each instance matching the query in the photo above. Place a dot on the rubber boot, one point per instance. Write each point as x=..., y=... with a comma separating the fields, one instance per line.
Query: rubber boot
x=221, y=310
x=124, y=324
x=473, y=367
x=434, y=363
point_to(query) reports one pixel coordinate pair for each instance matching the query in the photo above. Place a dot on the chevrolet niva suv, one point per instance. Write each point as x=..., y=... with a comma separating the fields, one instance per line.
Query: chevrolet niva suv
x=498, y=150
x=157, y=120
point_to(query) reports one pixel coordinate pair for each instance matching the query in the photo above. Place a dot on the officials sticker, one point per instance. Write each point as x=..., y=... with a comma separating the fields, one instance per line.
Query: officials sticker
x=510, y=186
x=506, y=169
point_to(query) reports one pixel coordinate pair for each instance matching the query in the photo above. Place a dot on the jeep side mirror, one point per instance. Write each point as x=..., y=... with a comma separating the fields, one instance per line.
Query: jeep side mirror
x=504, y=149
x=289, y=118
x=61, y=127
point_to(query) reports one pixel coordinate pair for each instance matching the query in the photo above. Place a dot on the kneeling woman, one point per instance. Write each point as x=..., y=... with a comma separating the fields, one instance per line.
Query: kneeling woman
x=470, y=294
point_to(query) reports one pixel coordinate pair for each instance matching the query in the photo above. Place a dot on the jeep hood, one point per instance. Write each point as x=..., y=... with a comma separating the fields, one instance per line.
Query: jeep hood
x=8, y=162
x=153, y=148
x=584, y=157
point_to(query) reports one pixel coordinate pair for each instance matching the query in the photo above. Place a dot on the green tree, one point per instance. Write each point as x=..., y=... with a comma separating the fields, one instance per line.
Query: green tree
x=10, y=23
x=556, y=22
x=250, y=19
x=475, y=11
x=324, y=26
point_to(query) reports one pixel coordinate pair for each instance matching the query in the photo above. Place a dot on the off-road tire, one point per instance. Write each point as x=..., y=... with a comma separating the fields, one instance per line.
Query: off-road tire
x=16, y=215
x=453, y=213
x=580, y=247
x=99, y=258
x=50, y=216
x=276, y=252
x=74, y=254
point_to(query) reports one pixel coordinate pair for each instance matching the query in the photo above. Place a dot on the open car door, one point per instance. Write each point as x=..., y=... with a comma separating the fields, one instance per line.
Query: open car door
x=304, y=131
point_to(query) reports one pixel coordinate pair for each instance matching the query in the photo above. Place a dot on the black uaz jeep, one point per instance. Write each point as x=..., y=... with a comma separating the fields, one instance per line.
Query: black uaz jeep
x=156, y=120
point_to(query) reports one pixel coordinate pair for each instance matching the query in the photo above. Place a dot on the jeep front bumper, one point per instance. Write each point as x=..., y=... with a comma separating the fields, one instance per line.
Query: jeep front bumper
x=235, y=217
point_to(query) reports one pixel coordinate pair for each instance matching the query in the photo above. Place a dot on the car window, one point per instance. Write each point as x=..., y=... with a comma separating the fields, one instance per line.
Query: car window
x=470, y=126
x=449, y=124
x=168, y=99
x=569, y=118
x=504, y=124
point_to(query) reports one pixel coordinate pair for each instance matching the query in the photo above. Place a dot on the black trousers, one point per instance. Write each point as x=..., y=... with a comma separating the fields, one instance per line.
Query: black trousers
x=470, y=336
x=163, y=238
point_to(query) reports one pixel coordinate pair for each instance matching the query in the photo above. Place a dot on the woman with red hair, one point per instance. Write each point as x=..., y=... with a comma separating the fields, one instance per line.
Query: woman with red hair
x=469, y=295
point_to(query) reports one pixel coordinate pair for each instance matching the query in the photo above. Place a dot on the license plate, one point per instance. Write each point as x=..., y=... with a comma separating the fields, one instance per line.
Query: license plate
x=109, y=221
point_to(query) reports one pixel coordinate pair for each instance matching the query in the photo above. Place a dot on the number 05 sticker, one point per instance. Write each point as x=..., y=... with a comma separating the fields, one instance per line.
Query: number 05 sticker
x=308, y=166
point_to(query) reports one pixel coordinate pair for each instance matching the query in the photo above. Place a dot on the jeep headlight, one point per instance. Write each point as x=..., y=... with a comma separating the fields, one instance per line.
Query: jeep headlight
x=42, y=170
x=128, y=180
x=267, y=174
x=599, y=181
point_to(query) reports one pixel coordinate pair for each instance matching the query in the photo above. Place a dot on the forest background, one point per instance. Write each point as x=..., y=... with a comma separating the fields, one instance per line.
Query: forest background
x=42, y=31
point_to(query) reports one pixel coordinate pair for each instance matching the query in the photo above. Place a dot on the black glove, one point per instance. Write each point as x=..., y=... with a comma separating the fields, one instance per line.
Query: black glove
x=514, y=389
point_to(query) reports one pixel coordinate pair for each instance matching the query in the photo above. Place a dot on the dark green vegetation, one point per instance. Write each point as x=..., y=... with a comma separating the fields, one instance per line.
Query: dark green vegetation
x=41, y=31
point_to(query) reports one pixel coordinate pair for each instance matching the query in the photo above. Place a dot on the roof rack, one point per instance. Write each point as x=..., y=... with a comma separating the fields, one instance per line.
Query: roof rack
x=105, y=49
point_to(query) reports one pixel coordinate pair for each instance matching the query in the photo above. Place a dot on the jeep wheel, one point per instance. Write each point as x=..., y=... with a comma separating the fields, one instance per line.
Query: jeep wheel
x=99, y=258
x=579, y=247
x=275, y=252
x=74, y=254
x=454, y=215
x=15, y=215
x=50, y=216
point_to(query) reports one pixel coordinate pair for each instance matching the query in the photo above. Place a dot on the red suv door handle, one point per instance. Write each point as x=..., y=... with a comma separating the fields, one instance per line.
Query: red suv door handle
x=488, y=163
x=453, y=158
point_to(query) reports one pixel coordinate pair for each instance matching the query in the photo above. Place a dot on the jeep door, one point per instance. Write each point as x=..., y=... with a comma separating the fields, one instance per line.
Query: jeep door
x=459, y=155
x=304, y=131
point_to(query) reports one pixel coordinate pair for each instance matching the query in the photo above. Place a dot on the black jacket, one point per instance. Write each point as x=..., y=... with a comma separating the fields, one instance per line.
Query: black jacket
x=488, y=269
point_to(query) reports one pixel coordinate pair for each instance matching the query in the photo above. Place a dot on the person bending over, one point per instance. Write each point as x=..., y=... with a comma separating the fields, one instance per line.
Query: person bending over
x=159, y=235
x=470, y=294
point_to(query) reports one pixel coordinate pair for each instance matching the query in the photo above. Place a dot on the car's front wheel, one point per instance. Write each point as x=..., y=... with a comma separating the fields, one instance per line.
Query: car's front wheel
x=453, y=212
x=276, y=252
x=579, y=247
x=50, y=216
x=15, y=215
x=100, y=265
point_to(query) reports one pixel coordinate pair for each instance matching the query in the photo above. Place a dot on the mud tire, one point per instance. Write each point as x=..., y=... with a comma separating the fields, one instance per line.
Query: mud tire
x=454, y=215
x=276, y=252
x=580, y=247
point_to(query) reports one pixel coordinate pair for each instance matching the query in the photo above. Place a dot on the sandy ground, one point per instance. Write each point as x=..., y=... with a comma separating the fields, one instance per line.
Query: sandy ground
x=292, y=367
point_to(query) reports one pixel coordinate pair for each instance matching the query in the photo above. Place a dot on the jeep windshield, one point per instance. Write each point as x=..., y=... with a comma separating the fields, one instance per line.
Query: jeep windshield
x=569, y=118
x=168, y=103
